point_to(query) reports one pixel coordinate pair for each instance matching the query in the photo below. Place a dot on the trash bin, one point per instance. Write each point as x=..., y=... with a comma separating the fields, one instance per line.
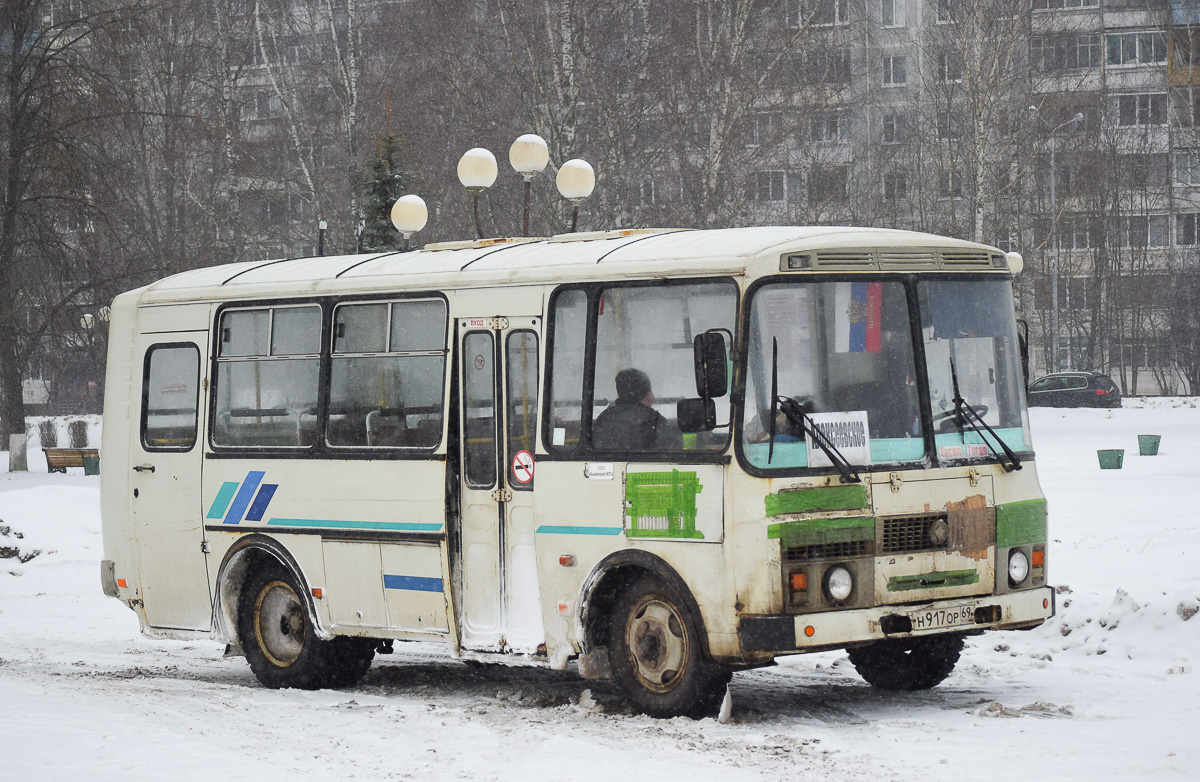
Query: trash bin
x=91, y=465
x=1111, y=458
x=1148, y=444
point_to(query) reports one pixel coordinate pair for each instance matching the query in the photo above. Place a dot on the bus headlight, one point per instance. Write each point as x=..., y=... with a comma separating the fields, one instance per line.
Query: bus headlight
x=1018, y=567
x=838, y=584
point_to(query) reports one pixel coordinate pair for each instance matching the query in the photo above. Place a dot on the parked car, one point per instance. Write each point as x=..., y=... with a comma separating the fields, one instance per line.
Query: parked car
x=1074, y=389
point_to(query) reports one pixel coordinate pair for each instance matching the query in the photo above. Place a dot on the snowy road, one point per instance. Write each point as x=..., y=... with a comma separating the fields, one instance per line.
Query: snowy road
x=1108, y=690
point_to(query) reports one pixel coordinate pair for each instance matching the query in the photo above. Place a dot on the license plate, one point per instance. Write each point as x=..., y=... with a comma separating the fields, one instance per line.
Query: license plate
x=952, y=616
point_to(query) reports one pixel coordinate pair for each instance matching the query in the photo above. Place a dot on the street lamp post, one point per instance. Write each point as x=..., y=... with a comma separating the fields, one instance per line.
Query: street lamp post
x=1054, y=232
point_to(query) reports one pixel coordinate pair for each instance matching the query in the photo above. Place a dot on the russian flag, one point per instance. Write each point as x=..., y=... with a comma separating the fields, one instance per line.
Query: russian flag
x=859, y=317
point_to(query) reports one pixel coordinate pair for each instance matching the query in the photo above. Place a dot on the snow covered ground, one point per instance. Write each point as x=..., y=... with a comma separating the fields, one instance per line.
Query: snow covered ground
x=1107, y=690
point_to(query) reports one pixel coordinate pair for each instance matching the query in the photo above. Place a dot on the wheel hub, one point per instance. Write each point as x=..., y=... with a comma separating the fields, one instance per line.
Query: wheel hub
x=279, y=623
x=658, y=644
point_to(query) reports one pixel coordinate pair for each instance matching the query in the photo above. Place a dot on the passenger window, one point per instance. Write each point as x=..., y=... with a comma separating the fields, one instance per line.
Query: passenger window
x=387, y=375
x=170, y=397
x=267, y=397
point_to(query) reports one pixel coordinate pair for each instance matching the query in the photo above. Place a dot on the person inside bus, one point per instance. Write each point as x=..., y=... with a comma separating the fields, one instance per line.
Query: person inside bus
x=631, y=423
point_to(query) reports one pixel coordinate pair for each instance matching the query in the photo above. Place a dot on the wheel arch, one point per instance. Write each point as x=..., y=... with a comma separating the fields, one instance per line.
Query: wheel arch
x=246, y=555
x=611, y=574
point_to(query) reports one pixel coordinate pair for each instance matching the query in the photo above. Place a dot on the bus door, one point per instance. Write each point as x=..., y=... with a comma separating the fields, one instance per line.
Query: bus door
x=165, y=484
x=500, y=609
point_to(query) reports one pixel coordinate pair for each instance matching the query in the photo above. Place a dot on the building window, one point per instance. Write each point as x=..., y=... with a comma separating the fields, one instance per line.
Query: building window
x=1187, y=168
x=1051, y=5
x=766, y=127
x=1142, y=48
x=894, y=71
x=1186, y=230
x=893, y=129
x=1142, y=231
x=1052, y=54
x=949, y=125
x=828, y=183
x=766, y=186
x=831, y=127
x=950, y=185
x=1142, y=109
x=893, y=13
x=949, y=68
x=1077, y=232
x=798, y=13
x=895, y=186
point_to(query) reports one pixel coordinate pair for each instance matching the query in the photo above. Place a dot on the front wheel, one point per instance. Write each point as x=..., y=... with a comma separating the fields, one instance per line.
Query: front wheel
x=907, y=663
x=654, y=650
x=281, y=643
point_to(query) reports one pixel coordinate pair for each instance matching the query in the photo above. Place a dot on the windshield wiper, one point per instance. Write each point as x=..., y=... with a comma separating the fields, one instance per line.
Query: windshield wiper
x=965, y=412
x=798, y=416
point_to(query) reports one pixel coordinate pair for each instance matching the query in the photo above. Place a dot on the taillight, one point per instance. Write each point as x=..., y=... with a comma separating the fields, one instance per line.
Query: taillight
x=1101, y=392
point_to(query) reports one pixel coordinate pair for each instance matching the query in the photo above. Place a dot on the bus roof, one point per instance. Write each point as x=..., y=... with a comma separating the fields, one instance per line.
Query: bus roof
x=583, y=256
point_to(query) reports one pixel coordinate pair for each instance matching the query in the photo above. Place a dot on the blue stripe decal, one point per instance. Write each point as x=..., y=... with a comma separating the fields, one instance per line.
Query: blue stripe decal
x=559, y=530
x=261, y=501
x=412, y=583
x=398, y=526
x=221, y=503
x=242, y=500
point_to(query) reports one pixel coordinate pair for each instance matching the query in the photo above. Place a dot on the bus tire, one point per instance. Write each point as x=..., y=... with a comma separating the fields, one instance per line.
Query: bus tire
x=907, y=663
x=655, y=653
x=277, y=634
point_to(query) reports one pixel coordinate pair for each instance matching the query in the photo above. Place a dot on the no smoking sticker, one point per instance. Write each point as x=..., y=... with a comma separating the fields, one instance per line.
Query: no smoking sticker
x=522, y=467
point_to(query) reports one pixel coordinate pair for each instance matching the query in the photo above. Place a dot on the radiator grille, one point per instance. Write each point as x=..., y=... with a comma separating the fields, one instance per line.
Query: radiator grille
x=853, y=548
x=909, y=533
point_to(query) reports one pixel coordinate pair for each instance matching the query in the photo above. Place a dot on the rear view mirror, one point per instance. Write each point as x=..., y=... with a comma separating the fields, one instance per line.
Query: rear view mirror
x=696, y=415
x=711, y=364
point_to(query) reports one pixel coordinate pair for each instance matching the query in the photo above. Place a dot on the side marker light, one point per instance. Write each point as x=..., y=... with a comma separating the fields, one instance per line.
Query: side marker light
x=566, y=560
x=1045, y=602
x=318, y=592
x=810, y=631
x=121, y=583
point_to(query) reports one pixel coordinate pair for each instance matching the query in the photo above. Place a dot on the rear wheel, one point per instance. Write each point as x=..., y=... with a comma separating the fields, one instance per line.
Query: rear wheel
x=281, y=643
x=907, y=663
x=655, y=654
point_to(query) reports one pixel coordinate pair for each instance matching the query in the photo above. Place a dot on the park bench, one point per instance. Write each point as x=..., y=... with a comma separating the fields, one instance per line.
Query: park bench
x=59, y=459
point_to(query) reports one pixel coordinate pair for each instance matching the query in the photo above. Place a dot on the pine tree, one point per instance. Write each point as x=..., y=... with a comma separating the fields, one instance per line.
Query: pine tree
x=383, y=183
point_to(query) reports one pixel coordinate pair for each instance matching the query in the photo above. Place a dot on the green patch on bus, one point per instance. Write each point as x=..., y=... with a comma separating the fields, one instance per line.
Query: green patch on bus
x=1020, y=523
x=662, y=504
x=818, y=499
x=822, y=532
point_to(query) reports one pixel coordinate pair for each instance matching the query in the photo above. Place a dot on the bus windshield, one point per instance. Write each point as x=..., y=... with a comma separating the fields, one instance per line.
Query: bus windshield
x=972, y=354
x=843, y=351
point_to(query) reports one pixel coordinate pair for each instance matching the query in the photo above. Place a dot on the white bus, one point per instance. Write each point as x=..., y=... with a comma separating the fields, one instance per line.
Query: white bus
x=665, y=455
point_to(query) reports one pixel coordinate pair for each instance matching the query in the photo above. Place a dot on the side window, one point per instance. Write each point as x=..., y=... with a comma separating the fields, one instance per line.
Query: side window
x=642, y=368
x=1040, y=385
x=170, y=397
x=386, y=375
x=265, y=386
x=565, y=369
x=521, y=368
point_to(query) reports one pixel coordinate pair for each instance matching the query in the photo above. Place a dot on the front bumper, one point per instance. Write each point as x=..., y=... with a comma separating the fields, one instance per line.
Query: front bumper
x=835, y=629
